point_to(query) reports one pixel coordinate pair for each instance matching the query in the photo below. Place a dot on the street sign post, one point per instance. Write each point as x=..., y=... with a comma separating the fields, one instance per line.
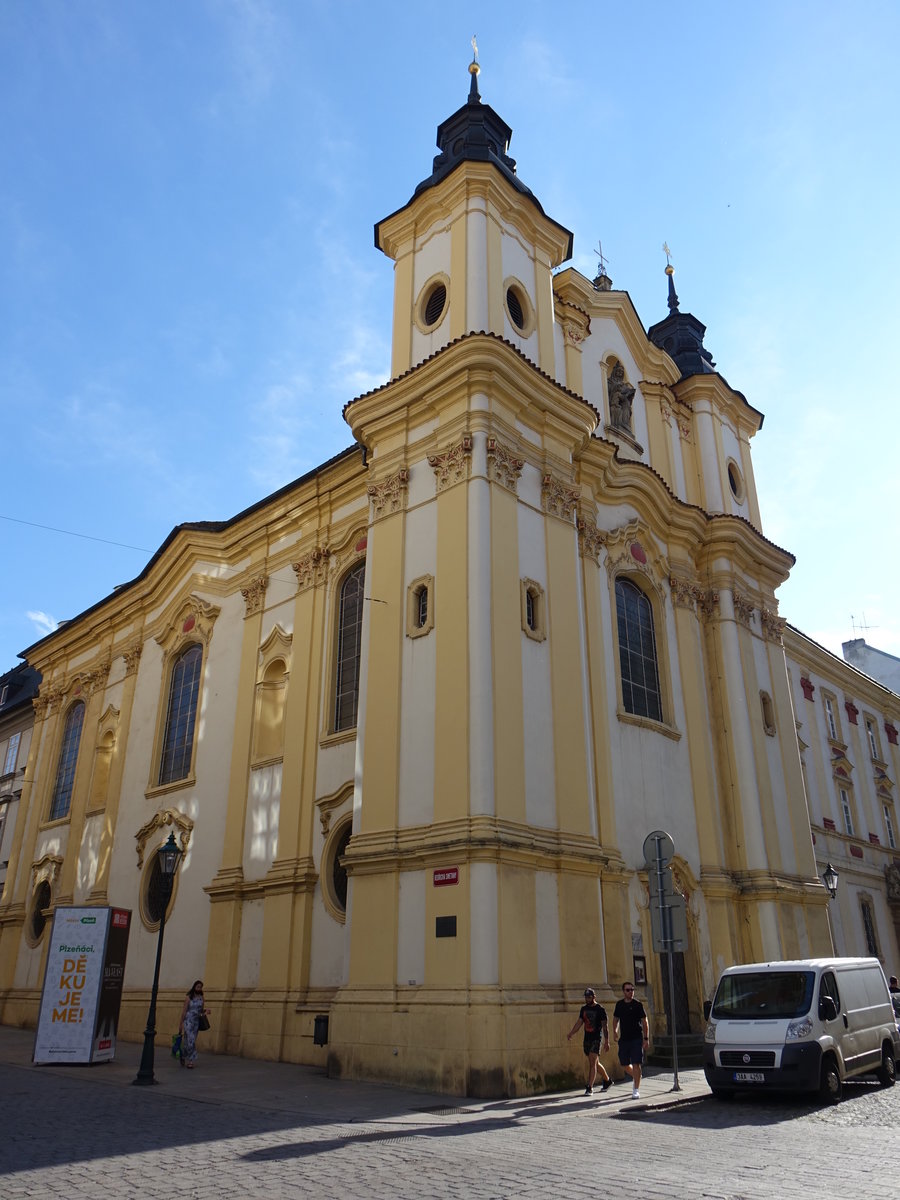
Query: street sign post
x=668, y=917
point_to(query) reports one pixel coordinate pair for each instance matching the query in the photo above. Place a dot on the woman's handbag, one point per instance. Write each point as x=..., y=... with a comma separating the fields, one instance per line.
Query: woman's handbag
x=202, y=1023
x=176, y=1045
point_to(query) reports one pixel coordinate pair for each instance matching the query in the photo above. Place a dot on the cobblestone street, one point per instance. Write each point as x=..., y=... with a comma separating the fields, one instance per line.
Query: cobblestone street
x=249, y=1130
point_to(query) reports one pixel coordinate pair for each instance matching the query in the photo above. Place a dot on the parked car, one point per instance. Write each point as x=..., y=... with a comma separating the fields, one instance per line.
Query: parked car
x=806, y=1025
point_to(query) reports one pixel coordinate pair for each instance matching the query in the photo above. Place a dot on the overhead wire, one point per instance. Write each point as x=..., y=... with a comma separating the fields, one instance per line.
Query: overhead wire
x=71, y=533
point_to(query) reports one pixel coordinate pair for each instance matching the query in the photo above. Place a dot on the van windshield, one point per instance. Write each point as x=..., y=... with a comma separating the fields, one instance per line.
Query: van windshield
x=763, y=995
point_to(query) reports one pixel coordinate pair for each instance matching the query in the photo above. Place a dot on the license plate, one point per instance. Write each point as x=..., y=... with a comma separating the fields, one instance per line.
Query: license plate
x=749, y=1077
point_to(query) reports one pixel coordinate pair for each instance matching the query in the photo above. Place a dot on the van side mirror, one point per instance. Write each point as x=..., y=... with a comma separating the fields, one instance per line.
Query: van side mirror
x=707, y=1009
x=827, y=1009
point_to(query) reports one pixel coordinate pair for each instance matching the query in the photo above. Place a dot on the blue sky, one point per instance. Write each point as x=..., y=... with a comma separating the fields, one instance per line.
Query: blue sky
x=189, y=290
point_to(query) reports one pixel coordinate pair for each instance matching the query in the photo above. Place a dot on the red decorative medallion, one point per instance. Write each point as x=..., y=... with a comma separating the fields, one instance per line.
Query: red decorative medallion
x=188, y=625
x=637, y=552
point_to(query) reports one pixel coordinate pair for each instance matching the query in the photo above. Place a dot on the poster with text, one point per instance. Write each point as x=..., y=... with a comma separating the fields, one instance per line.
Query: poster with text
x=106, y=1025
x=71, y=1025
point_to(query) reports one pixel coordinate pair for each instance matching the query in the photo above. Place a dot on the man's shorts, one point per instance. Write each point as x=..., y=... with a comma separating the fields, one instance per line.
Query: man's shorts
x=592, y=1045
x=631, y=1053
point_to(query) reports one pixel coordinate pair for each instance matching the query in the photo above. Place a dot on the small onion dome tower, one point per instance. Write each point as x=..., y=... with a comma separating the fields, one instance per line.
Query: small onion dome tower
x=681, y=336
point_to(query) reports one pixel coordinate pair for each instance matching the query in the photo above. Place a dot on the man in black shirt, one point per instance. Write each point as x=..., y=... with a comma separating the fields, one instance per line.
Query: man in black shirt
x=632, y=1032
x=596, y=1032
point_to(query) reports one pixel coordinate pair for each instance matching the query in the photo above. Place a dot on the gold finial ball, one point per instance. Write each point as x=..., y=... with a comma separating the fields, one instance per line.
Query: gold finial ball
x=670, y=270
x=474, y=68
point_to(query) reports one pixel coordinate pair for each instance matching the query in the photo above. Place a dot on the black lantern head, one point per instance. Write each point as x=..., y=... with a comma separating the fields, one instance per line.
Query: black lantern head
x=169, y=856
x=830, y=879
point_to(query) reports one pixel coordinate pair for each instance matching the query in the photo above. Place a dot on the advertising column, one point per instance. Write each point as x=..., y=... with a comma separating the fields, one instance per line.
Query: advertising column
x=79, y=1013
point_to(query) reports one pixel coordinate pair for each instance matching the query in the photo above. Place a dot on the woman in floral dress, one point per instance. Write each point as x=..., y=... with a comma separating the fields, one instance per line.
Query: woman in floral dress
x=190, y=1019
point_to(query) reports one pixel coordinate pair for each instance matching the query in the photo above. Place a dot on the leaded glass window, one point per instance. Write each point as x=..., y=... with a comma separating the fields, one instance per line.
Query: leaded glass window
x=68, y=758
x=181, y=713
x=350, y=613
x=869, y=928
x=637, y=652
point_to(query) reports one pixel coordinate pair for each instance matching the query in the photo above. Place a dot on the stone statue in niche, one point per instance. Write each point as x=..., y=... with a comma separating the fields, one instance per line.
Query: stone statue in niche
x=621, y=395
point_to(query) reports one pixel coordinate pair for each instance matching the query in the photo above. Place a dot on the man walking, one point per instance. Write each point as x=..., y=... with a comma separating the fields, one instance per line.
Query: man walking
x=596, y=1032
x=632, y=1031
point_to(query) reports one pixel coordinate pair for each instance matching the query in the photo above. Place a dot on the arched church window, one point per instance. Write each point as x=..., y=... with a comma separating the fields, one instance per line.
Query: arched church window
x=637, y=652
x=68, y=759
x=349, y=639
x=181, y=714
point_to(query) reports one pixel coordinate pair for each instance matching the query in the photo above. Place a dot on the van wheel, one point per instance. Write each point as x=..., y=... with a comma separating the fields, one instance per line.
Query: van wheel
x=830, y=1082
x=887, y=1072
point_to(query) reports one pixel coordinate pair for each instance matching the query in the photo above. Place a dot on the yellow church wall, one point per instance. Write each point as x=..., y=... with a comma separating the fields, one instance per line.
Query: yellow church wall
x=517, y=927
x=573, y=802
x=384, y=575
x=507, y=649
x=451, y=757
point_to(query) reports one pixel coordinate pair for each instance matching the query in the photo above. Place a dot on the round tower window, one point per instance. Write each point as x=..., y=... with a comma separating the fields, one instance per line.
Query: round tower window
x=735, y=481
x=434, y=305
x=514, y=305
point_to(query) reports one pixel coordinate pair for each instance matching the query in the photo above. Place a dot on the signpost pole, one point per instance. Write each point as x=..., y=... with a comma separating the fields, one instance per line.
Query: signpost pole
x=661, y=847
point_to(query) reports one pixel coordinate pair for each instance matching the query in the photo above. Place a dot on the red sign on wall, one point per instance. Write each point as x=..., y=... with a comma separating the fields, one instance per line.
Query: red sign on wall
x=446, y=875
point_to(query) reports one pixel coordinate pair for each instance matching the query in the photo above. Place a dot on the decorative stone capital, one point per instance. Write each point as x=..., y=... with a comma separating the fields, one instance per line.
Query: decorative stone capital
x=95, y=680
x=591, y=540
x=743, y=608
x=708, y=604
x=312, y=569
x=389, y=495
x=675, y=420
x=255, y=595
x=557, y=498
x=685, y=593
x=454, y=465
x=772, y=626
x=503, y=466
x=574, y=321
x=132, y=656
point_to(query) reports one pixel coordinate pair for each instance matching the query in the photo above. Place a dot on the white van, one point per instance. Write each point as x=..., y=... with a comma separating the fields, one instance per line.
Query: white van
x=806, y=1025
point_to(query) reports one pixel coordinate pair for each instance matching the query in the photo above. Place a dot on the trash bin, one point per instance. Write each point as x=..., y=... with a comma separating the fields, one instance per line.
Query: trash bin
x=320, y=1030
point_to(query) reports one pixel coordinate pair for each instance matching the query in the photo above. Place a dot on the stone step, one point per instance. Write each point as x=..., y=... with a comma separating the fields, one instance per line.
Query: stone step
x=690, y=1051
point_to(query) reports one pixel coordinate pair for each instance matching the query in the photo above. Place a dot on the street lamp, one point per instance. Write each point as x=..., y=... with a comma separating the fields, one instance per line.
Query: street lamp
x=830, y=879
x=167, y=858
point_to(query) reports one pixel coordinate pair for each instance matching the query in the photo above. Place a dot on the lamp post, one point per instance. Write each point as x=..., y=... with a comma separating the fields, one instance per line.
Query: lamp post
x=830, y=879
x=168, y=857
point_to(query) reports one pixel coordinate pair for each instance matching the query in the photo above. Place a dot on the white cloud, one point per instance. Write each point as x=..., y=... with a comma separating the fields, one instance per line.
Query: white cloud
x=43, y=622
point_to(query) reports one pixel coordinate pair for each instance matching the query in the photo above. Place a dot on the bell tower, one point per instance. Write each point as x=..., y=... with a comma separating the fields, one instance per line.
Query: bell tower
x=473, y=248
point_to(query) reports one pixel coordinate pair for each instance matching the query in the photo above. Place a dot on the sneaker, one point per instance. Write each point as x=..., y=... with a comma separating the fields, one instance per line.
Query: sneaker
x=605, y=1085
x=589, y=1091
x=635, y=1094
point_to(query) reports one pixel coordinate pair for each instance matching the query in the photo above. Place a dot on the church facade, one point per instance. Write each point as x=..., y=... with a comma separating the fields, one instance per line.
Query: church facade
x=412, y=717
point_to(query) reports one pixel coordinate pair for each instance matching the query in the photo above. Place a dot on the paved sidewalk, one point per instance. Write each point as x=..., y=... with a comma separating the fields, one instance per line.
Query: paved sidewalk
x=306, y=1091
x=237, y=1129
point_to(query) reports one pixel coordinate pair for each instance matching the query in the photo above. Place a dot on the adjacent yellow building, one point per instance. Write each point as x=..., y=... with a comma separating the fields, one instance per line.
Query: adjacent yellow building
x=412, y=717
